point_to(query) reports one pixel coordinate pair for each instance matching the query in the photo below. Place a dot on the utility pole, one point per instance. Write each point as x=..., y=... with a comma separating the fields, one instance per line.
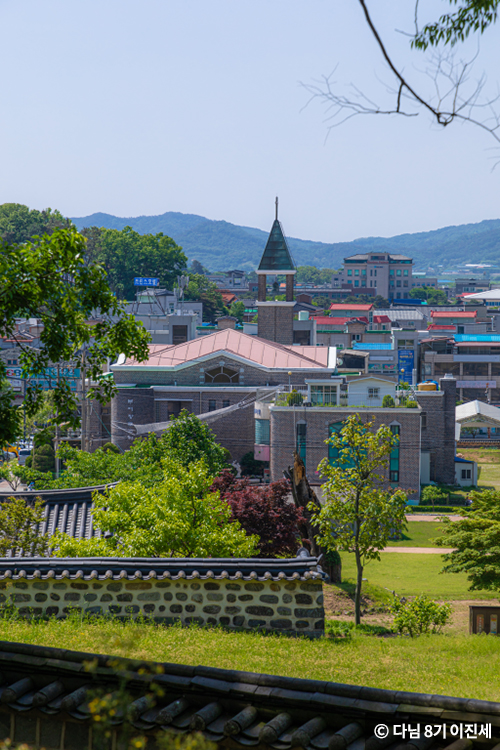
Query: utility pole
x=84, y=407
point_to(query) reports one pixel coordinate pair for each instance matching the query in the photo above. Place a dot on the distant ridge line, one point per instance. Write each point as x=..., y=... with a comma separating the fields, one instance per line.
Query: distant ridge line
x=220, y=245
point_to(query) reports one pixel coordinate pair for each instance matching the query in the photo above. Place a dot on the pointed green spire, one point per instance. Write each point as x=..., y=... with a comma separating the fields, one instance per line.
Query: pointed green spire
x=276, y=256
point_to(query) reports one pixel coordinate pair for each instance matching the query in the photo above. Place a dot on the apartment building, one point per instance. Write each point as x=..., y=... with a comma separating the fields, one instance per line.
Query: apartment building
x=387, y=274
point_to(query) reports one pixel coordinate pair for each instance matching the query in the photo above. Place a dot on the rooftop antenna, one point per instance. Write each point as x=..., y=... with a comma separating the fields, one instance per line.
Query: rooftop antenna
x=276, y=208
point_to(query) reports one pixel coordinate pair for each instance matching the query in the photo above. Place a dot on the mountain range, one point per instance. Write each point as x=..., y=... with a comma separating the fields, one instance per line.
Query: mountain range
x=219, y=245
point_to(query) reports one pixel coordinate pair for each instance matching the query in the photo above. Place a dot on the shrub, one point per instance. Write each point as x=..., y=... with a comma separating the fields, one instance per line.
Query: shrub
x=388, y=401
x=110, y=448
x=421, y=615
x=294, y=398
x=432, y=495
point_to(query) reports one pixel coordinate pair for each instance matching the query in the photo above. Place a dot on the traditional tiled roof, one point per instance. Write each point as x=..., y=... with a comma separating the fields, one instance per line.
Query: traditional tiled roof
x=300, y=568
x=51, y=687
x=251, y=348
x=67, y=511
x=381, y=319
x=276, y=256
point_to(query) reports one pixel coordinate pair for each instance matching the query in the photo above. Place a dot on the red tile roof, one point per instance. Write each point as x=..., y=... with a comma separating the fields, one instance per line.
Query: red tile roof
x=381, y=319
x=436, y=327
x=256, y=350
x=450, y=314
x=346, y=306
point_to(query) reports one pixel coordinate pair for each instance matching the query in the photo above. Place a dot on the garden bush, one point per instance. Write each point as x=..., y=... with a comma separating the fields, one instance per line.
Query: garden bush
x=388, y=402
x=420, y=615
x=294, y=399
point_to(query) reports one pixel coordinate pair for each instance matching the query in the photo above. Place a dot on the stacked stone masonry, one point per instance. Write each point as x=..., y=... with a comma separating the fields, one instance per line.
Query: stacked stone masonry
x=292, y=607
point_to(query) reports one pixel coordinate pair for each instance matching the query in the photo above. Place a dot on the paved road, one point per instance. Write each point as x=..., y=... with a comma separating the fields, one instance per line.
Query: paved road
x=420, y=550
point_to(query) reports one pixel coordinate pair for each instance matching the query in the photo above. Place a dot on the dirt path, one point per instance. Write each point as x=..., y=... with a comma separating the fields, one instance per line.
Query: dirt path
x=431, y=517
x=420, y=550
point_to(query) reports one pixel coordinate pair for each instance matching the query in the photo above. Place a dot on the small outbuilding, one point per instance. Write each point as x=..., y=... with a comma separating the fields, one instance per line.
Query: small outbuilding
x=465, y=472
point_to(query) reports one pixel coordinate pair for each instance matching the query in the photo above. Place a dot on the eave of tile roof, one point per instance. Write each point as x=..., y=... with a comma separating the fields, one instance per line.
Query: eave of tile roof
x=242, y=708
x=250, y=348
x=174, y=568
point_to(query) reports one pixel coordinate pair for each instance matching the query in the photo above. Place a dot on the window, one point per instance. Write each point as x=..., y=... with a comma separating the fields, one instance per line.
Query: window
x=375, y=282
x=356, y=272
x=394, y=456
x=212, y=406
x=405, y=283
x=398, y=283
x=398, y=295
x=333, y=452
x=392, y=284
x=405, y=273
x=356, y=283
x=222, y=374
x=363, y=272
x=324, y=395
x=466, y=474
x=375, y=273
x=373, y=393
x=301, y=440
x=391, y=272
x=371, y=271
x=423, y=422
x=226, y=403
x=398, y=272
x=356, y=337
x=349, y=271
x=262, y=432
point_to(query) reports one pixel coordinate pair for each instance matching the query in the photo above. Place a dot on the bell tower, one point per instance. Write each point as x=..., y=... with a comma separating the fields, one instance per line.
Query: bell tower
x=275, y=321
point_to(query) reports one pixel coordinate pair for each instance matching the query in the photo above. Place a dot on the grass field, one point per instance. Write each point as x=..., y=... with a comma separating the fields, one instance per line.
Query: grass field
x=412, y=574
x=488, y=460
x=450, y=665
x=419, y=534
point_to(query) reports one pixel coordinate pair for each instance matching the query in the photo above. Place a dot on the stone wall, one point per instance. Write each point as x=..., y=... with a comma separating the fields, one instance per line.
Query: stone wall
x=292, y=607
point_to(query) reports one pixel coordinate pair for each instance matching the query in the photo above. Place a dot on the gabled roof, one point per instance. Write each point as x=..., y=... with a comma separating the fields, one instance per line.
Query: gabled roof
x=381, y=319
x=251, y=348
x=276, y=256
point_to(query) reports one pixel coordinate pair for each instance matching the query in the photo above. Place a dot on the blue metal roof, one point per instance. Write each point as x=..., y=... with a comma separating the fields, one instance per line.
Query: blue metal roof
x=372, y=345
x=476, y=337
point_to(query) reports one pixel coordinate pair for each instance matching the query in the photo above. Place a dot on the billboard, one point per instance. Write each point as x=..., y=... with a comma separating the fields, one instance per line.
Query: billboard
x=406, y=365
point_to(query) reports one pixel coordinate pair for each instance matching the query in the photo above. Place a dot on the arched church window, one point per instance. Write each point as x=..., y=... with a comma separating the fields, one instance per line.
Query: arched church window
x=222, y=374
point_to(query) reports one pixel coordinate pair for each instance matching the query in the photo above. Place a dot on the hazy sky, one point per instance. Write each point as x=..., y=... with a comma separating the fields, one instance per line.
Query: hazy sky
x=132, y=108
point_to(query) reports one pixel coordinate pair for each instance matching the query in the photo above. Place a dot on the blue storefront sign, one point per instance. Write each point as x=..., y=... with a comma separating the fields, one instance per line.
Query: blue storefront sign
x=145, y=281
x=406, y=364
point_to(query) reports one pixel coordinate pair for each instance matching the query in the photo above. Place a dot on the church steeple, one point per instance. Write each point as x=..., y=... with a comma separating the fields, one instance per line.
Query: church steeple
x=276, y=257
x=275, y=321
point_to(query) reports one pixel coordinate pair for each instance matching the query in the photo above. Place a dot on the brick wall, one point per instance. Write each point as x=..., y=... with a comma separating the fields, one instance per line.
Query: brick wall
x=293, y=607
x=275, y=323
x=284, y=422
x=438, y=433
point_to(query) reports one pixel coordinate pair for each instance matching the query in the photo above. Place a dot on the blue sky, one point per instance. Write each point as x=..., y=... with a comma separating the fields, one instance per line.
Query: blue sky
x=197, y=106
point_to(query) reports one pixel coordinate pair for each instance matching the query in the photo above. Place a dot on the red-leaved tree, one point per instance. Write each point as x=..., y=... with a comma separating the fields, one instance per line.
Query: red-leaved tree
x=265, y=511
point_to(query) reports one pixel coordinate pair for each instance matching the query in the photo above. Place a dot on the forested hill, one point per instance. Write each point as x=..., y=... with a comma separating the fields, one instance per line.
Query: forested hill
x=219, y=245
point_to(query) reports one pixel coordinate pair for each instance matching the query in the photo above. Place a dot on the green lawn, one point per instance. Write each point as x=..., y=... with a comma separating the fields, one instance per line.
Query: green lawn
x=451, y=665
x=419, y=534
x=488, y=460
x=411, y=574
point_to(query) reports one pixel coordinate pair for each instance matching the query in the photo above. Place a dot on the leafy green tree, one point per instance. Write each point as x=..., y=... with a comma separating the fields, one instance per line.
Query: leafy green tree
x=125, y=253
x=189, y=440
x=179, y=517
x=433, y=296
x=322, y=301
x=18, y=224
x=19, y=521
x=48, y=279
x=380, y=303
x=388, y=401
x=201, y=289
x=237, y=310
x=313, y=275
x=476, y=542
x=358, y=515
x=471, y=15
x=197, y=267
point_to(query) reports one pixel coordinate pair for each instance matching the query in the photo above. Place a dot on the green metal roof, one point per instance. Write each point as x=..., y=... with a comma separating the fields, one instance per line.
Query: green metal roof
x=276, y=256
